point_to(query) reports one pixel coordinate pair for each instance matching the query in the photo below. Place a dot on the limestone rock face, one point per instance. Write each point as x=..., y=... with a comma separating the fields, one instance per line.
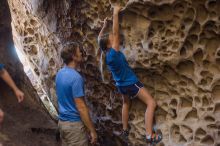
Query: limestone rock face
x=172, y=45
x=27, y=123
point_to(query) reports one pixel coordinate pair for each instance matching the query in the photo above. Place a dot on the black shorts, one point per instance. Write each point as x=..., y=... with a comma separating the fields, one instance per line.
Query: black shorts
x=131, y=90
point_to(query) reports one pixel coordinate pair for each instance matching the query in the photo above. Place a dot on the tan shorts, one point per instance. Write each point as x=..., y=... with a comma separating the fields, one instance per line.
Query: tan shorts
x=73, y=133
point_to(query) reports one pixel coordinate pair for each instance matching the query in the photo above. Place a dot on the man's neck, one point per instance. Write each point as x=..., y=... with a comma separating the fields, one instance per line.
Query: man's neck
x=72, y=65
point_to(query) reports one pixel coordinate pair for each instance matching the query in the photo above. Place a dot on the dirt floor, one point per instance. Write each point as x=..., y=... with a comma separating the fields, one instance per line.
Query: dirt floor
x=25, y=124
x=16, y=134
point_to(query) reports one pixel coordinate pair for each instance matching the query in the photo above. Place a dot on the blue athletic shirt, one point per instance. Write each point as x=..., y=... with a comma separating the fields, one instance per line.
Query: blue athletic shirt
x=69, y=85
x=121, y=71
x=1, y=66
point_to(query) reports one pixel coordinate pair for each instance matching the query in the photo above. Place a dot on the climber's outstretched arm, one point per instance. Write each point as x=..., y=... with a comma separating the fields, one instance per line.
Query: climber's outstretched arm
x=115, y=28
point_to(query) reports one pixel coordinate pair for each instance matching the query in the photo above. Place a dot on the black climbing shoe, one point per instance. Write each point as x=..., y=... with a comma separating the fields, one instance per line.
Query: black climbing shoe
x=124, y=135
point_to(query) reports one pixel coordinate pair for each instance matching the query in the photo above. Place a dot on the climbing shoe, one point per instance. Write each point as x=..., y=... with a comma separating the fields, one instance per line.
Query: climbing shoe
x=154, y=138
x=124, y=135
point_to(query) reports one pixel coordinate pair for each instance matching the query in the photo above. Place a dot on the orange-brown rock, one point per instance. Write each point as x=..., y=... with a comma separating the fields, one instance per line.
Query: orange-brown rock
x=172, y=45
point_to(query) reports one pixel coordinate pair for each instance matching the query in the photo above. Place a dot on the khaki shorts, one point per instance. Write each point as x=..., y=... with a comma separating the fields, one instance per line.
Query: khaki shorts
x=73, y=133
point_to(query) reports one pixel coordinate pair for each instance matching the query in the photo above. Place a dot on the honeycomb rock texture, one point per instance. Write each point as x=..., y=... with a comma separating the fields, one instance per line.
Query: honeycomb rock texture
x=172, y=45
x=27, y=123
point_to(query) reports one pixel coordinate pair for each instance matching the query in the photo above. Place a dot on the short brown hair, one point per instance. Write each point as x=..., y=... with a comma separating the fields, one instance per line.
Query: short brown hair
x=68, y=51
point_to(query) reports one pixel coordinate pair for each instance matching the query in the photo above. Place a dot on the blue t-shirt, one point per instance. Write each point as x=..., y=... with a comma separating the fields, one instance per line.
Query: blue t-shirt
x=1, y=66
x=121, y=71
x=69, y=85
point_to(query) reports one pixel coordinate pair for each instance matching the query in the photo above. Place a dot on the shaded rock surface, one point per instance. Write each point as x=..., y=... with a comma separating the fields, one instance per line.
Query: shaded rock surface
x=172, y=45
x=28, y=123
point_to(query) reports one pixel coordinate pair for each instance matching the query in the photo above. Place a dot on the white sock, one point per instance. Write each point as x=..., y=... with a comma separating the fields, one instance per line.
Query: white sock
x=148, y=136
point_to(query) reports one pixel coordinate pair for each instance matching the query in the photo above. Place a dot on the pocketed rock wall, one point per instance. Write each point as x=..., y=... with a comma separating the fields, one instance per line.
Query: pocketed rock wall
x=27, y=123
x=172, y=45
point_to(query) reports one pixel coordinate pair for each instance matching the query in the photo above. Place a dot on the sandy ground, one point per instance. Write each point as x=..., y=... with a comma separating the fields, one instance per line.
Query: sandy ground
x=25, y=124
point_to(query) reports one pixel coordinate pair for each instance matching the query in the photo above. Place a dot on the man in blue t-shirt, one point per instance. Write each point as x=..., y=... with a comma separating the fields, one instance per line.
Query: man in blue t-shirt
x=73, y=112
x=7, y=78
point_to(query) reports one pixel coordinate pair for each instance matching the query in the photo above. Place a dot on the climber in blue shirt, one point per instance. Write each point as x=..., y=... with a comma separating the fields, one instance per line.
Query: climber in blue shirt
x=7, y=78
x=126, y=81
x=74, y=119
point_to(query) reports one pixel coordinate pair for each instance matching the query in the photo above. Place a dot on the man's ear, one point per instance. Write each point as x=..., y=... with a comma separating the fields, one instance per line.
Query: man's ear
x=73, y=57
